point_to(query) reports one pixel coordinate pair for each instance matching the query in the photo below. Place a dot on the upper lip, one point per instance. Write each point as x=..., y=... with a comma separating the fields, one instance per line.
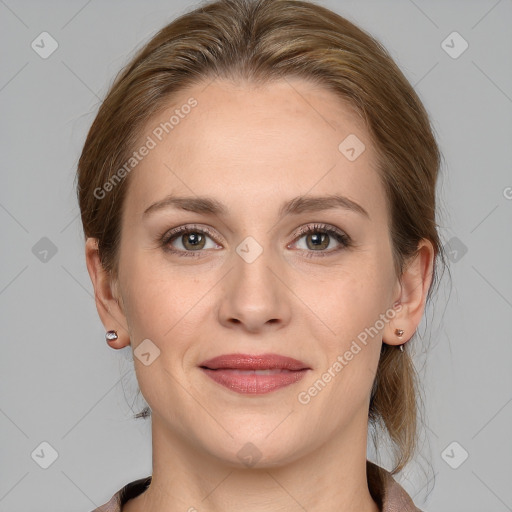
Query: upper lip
x=254, y=362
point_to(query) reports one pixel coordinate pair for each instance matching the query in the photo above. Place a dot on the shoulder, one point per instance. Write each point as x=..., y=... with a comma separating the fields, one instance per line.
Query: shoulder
x=387, y=492
x=127, y=492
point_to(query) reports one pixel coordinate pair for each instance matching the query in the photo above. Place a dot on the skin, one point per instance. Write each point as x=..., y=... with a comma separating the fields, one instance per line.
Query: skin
x=252, y=148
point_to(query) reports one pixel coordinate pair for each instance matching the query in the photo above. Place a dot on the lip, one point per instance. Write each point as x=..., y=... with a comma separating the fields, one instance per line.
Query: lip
x=254, y=362
x=240, y=372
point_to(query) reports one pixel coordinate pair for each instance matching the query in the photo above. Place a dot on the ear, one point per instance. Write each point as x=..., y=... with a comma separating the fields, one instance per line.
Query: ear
x=107, y=303
x=414, y=284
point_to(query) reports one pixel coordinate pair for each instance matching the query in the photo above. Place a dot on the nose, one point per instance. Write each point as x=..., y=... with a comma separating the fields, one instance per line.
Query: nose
x=255, y=296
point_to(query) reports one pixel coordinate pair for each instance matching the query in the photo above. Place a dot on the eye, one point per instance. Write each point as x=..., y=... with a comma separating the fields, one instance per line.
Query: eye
x=191, y=240
x=319, y=237
x=186, y=240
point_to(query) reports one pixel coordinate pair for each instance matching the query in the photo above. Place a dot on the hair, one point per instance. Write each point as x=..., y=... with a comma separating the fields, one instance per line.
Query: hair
x=260, y=41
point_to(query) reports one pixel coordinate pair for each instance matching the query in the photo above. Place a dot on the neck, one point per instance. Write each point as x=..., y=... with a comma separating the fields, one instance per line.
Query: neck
x=331, y=478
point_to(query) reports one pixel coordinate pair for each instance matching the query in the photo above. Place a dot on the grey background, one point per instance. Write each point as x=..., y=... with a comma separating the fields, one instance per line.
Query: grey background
x=62, y=384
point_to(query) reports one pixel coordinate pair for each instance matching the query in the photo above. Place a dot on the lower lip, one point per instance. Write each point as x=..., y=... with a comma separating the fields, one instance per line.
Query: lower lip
x=252, y=383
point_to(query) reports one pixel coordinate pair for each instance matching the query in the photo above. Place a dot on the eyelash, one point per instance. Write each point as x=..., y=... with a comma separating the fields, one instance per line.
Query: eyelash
x=337, y=234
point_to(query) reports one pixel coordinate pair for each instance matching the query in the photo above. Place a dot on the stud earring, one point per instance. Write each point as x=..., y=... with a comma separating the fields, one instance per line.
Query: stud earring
x=400, y=333
x=111, y=336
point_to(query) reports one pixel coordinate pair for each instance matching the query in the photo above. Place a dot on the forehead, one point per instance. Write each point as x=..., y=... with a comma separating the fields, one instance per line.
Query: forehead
x=243, y=143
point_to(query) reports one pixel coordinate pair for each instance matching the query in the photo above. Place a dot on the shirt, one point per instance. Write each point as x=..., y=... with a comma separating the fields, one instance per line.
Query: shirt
x=385, y=490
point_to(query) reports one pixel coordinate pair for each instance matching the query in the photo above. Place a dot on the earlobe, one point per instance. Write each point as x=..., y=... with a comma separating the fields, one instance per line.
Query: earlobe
x=107, y=303
x=415, y=282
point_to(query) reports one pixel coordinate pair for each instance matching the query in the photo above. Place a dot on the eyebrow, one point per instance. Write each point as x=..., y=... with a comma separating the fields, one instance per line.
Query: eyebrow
x=300, y=204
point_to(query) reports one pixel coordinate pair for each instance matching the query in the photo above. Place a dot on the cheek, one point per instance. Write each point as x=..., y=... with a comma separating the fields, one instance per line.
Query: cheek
x=351, y=305
x=165, y=304
x=152, y=300
x=353, y=297
x=353, y=352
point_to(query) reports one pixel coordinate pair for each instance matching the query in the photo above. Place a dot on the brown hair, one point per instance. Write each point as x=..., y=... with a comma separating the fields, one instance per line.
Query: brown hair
x=259, y=41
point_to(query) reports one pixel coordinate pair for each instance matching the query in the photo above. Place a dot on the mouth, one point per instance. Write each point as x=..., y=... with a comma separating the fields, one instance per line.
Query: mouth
x=254, y=374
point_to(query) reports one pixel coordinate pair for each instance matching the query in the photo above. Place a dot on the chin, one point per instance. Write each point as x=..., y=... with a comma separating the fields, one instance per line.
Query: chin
x=256, y=452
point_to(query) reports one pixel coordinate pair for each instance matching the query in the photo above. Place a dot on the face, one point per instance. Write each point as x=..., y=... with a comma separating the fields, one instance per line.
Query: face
x=259, y=274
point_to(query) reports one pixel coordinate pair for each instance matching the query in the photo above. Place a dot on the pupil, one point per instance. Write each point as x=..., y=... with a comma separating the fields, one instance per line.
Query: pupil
x=318, y=240
x=193, y=238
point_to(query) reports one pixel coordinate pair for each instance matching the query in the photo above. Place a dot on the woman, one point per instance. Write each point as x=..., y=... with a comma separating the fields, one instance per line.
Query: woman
x=258, y=200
